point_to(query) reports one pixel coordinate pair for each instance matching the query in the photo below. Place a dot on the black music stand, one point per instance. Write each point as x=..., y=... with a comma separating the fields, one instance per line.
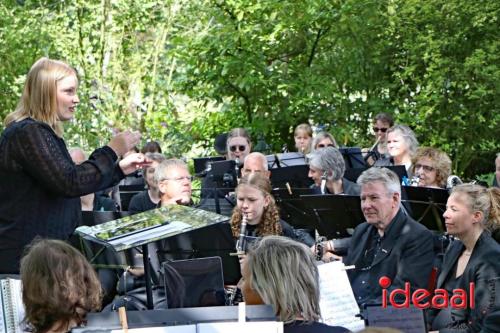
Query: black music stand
x=285, y=160
x=127, y=192
x=202, y=163
x=353, y=157
x=294, y=176
x=292, y=207
x=426, y=205
x=353, y=174
x=147, y=227
x=336, y=215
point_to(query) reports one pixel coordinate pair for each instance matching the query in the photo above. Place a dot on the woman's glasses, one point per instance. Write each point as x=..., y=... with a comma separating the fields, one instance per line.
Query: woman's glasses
x=383, y=130
x=240, y=148
x=427, y=168
x=321, y=145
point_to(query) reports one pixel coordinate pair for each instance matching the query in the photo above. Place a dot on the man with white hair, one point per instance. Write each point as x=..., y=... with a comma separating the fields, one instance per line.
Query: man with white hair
x=390, y=243
x=255, y=162
x=174, y=182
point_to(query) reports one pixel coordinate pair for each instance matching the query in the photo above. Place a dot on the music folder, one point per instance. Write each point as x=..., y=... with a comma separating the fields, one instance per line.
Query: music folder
x=336, y=215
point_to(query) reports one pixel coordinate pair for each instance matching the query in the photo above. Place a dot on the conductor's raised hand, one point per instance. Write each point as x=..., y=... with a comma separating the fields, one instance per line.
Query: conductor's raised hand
x=133, y=162
x=124, y=141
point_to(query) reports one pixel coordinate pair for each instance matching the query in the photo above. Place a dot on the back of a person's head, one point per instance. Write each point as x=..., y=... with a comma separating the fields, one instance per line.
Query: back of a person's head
x=284, y=274
x=151, y=147
x=59, y=285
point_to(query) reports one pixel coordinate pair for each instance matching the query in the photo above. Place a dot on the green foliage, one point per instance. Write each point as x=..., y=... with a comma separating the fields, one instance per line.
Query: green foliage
x=183, y=71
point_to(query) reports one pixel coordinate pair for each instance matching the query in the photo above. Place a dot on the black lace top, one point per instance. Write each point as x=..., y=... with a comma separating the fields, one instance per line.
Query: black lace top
x=40, y=187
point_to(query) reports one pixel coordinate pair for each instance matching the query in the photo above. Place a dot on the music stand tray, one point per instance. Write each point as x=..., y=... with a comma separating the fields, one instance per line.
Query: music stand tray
x=336, y=215
x=143, y=228
x=201, y=163
x=294, y=176
x=426, y=205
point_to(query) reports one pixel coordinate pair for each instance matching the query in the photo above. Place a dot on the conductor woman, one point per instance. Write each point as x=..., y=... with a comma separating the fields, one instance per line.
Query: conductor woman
x=40, y=186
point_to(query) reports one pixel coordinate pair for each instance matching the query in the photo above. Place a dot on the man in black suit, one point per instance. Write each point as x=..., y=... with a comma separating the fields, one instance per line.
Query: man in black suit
x=389, y=243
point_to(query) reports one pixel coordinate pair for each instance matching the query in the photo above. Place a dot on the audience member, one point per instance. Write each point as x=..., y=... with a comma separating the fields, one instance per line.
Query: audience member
x=431, y=166
x=40, y=185
x=91, y=201
x=324, y=139
x=471, y=211
x=59, y=286
x=147, y=199
x=327, y=166
x=283, y=273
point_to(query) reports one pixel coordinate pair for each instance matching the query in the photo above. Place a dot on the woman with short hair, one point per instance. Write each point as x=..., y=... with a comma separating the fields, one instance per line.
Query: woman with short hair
x=282, y=273
x=431, y=166
x=59, y=286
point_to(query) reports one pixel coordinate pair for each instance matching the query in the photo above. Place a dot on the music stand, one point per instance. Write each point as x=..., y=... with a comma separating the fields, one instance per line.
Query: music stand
x=202, y=163
x=336, y=215
x=292, y=207
x=294, y=176
x=353, y=174
x=127, y=192
x=426, y=205
x=285, y=160
x=144, y=228
x=353, y=157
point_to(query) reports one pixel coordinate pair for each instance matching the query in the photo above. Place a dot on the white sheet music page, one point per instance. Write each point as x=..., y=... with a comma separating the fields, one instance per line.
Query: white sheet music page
x=337, y=302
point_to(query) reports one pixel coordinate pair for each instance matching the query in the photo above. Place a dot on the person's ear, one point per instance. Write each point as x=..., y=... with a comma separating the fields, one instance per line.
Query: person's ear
x=477, y=217
x=267, y=200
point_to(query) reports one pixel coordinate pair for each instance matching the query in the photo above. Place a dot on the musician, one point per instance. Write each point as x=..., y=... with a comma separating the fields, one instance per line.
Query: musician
x=389, y=243
x=239, y=144
x=282, y=273
x=59, y=286
x=496, y=181
x=254, y=199
x=174, y=182
x=327, y=166
x=471, y=211
x=431, y=166
x=324, y=139
x=381, y=123
x=402, y=146
x=303, y=138
x=255, y=163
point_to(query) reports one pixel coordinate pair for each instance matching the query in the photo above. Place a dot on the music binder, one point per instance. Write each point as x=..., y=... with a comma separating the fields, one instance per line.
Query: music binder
x=12, y=306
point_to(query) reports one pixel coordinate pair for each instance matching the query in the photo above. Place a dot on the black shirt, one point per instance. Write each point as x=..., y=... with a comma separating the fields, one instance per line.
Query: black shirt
x=299, y=326
x=40, y=187
x=141, y=202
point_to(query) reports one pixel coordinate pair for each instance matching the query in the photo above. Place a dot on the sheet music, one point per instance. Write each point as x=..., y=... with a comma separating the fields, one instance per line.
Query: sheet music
x=410, y=320
x=162, y=329
x=246, y=327
x=337, y=303
x=12, y=303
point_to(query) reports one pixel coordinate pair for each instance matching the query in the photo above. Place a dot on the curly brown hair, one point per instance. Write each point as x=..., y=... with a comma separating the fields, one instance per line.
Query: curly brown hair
x=59, y=285
x=440, y=159
x=270, y=221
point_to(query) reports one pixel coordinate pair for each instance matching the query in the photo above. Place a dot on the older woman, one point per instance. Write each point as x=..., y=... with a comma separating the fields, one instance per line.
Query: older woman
x=431, y=166
x=283, y=273
x=59, y=287
x=40, y=185
x=470, y=211
x=327, y=166
x=324, y=139
x=401, y=145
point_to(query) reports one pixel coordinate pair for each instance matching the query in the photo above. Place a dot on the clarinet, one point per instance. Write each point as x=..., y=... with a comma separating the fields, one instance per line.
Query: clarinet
x=240, y=244
x=323, y=182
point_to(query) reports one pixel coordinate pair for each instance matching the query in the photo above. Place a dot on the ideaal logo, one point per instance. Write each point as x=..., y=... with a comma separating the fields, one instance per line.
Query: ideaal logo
x=423, y=299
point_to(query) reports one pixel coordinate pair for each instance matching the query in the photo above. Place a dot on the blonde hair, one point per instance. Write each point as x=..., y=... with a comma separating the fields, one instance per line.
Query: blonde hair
x=284, y=274
x=441, y=161
x=270, y=221
x=482, y=199
x=306, y=128
x=39, y=98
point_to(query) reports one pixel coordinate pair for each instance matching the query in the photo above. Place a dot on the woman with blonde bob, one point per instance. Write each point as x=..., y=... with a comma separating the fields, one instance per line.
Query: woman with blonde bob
x=40, y=185
x=59, y=286
x=283, y=273
x=472, y=211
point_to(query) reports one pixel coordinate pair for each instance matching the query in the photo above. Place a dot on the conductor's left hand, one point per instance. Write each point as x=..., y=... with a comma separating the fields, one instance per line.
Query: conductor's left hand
x=133, y=162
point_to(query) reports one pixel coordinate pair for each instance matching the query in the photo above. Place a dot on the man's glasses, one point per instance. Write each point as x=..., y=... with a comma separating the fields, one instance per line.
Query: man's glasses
x=427, y=168
x=240, y=148
x=179, y=179
x=383, y=130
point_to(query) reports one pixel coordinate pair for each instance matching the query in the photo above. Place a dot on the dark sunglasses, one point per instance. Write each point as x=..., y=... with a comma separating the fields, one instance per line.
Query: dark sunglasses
x=323, y=145
x=427, y=168
x=240, y=148
x=383, y=130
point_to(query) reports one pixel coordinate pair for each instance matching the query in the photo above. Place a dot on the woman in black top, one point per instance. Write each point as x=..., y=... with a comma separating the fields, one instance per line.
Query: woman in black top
x=40, y=186
x=470, y=211
x=283, y=273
